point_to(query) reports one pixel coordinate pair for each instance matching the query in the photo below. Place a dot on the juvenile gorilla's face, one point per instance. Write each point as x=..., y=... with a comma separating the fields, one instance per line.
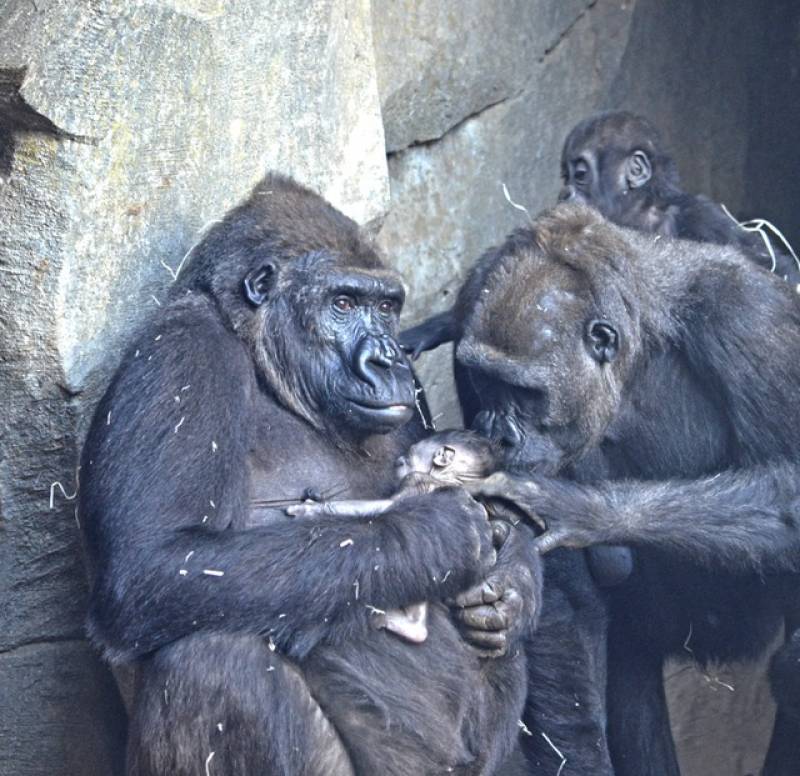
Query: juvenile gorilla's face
x=603, y=176
x=330, y=335
x=547, y=351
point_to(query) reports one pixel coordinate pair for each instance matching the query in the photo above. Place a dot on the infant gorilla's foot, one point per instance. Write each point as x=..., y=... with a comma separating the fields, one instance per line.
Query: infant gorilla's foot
x=410, y=622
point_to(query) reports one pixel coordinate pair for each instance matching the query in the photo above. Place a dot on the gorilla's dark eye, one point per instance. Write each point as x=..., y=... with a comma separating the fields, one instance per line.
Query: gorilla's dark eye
x=344, y=303
x=386, y=307
x=603, y=341
x=581, y=172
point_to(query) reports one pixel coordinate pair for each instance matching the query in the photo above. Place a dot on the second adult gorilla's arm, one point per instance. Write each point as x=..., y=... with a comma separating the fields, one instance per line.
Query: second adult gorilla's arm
x=167, y=452
x=747, y=519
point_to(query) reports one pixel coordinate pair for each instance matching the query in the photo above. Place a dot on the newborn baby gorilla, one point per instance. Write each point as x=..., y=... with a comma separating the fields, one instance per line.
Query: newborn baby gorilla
x=453, y=457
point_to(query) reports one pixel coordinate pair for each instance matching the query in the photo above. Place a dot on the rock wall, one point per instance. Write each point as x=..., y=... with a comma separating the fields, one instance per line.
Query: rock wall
x=128, y=126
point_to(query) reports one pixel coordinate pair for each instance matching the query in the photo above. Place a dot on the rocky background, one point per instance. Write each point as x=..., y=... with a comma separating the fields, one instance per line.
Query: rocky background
x=126, y=126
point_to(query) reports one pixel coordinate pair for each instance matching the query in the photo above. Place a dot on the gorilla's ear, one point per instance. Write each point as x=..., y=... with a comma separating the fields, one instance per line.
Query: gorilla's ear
x=638, y=169
x=259, y=281
x=603, y=341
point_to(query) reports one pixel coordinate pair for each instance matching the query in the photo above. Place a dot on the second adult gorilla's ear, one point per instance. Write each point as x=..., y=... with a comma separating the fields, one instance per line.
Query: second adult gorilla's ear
x=259, y=281
x=638, y=169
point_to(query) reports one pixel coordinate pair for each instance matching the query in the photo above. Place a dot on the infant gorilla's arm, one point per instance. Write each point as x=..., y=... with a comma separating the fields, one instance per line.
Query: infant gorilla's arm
x=415, y=484
x=342, y=508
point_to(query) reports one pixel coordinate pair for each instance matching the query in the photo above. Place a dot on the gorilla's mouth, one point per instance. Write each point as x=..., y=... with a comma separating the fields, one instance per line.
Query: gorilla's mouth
x=384, y=410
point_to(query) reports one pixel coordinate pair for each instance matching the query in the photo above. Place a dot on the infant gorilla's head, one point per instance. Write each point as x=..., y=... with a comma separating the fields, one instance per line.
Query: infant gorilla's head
x=453, y=456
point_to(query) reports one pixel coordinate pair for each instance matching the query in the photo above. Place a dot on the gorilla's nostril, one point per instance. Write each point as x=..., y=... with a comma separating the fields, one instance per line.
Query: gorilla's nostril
x=566, y=194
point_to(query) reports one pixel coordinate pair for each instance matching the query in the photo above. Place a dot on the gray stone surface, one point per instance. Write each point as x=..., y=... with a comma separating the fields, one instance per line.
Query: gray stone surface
x=722, y=716
x=440, y=62
x=157, y=117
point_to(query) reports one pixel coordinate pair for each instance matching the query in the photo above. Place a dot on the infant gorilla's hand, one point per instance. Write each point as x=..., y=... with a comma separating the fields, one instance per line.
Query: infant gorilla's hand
x=309, y=509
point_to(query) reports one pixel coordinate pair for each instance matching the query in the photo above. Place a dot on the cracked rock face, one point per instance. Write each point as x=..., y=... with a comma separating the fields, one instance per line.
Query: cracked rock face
x=440, y=62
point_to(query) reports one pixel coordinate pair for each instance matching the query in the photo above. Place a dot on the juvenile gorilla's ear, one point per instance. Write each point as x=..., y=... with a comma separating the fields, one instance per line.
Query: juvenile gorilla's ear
x=638, y=169
x=259, y=281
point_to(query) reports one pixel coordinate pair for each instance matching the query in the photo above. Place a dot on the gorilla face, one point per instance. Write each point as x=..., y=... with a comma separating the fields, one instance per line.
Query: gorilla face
x=547, y=348
x=604, y=178
x=608, y=162
x=328, y=335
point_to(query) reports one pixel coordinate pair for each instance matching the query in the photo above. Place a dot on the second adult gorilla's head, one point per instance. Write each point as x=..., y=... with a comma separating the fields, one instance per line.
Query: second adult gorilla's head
x=550, y=336
x=312, y=299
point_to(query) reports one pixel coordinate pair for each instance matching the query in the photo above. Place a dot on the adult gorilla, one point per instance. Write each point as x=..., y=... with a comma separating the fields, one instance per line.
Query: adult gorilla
x=274, y=369
x=668, y=371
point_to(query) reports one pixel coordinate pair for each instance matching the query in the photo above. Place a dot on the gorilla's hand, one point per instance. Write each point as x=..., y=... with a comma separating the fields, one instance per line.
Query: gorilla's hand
x=428, y=335
x=571, y=515
x=504, y=606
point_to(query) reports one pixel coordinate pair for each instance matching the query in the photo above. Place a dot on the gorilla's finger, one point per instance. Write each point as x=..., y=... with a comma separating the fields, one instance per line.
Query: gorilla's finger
x=484, y=593
x=538, y=522
x=487, y=617
x=551, y=540
x=491, y=640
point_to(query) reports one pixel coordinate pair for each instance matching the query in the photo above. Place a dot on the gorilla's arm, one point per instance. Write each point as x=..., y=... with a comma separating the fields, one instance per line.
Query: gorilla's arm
x=341, y=508
x=748, y=519
x=428, y=335
x=164, y=487
x=497, y=617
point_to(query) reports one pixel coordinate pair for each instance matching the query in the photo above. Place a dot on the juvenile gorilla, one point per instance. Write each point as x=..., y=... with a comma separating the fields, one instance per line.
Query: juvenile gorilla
x=663, y=370
x=453, y=457
x=274, y=368
x=616, y=162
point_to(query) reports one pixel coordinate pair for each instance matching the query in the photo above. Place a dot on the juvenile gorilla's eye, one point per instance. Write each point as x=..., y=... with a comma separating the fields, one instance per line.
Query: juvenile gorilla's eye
x=386, y=307
x=344, y=304
x=581, y=172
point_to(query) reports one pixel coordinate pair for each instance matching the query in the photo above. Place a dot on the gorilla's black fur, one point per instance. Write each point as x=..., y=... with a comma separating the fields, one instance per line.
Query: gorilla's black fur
x=272, y=369
x=663, y=370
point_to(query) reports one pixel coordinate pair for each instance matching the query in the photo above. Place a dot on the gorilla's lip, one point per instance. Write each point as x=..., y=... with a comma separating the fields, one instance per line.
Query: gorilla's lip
x=383, y=408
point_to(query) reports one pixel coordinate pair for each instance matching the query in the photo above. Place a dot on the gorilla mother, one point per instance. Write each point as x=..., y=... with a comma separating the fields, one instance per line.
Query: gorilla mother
x=274, y=369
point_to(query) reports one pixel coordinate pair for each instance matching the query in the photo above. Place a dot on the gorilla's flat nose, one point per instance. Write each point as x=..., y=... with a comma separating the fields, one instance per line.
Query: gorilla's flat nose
x=373, y=355
x=566, y=194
